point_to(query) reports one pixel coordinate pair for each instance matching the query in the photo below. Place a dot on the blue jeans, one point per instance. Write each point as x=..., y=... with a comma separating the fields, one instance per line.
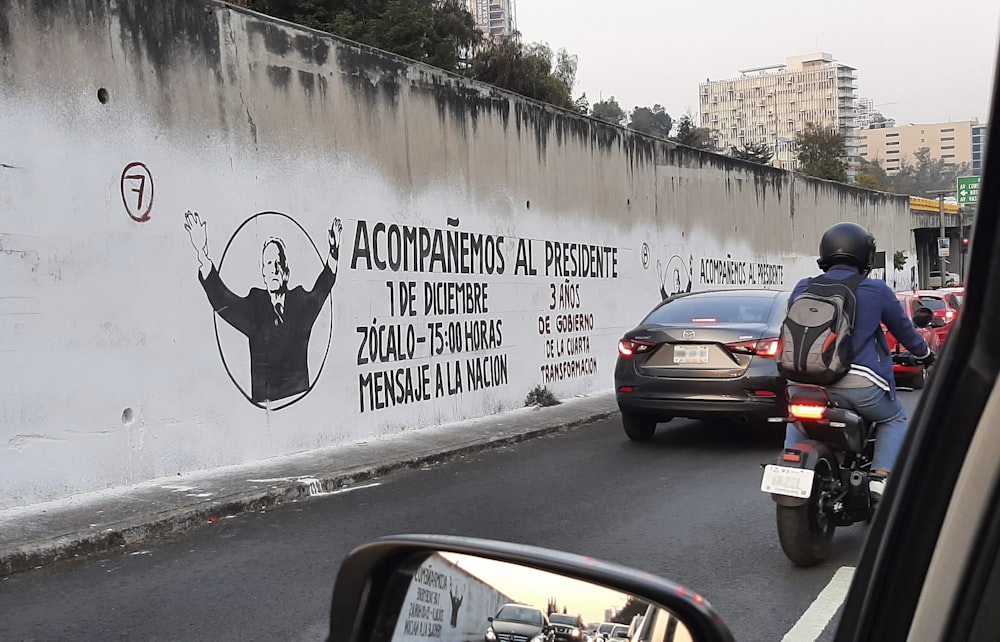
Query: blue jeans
x=874, y=404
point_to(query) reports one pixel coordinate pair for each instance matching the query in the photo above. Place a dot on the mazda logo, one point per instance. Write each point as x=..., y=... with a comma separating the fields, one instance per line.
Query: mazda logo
x=688, y=334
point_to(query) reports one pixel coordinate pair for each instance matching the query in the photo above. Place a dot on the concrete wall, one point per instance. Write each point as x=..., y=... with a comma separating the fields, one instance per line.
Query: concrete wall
x=489, y=243
x=444, y=602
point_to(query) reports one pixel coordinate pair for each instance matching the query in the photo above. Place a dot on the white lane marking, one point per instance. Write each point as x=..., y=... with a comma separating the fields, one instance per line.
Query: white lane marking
x=816, y=618
x=352, y=488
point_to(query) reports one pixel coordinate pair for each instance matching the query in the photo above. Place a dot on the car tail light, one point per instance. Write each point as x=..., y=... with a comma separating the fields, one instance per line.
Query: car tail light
x=949, y=315
x=807, y=410
x=761, y=348
x=626, y=389
x=630, y=348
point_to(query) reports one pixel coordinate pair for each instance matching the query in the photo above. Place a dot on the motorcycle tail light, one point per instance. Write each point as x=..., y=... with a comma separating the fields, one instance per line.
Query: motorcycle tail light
x=807, y=410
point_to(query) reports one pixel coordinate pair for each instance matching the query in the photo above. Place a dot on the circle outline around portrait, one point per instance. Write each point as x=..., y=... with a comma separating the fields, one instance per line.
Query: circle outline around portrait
x=215, y=316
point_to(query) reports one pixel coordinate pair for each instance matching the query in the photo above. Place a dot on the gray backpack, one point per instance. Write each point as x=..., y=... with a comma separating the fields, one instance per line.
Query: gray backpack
x=816, y=344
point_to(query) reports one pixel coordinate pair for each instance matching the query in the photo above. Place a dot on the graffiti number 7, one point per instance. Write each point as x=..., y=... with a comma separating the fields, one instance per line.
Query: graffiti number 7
x=137, y=191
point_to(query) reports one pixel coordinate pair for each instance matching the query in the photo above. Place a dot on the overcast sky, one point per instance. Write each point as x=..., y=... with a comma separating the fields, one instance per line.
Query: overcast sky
x=933, y=60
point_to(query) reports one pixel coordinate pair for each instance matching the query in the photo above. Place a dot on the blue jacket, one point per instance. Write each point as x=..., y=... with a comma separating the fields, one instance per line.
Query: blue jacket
x=877, y=304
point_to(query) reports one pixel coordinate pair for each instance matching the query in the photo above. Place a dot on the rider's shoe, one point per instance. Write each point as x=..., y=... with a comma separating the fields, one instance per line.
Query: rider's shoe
x=876, y=486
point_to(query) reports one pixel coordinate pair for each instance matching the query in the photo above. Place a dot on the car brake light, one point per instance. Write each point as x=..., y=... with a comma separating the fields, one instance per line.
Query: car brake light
x=630, y=348
x=949, y=315
x=761, y=348
x=807, y=410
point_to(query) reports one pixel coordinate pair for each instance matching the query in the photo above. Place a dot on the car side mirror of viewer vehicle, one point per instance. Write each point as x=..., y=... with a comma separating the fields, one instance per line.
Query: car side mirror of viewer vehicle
x=923, y=317
x=409, y=587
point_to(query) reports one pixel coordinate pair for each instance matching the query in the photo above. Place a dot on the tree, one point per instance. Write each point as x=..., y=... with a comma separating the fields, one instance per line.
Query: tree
x=566, y=65
x=654, y=121
x=820, y=152
x=436, y=32
x=632, y=608
x=581, y=104
x=926, y=174
x=872, y=176
x=608, y=110
x=899, y=260
x=525, y=69
x=689, y=134
x=753, y=152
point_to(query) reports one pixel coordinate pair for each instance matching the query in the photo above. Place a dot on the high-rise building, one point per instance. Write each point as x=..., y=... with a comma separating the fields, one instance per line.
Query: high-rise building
x=495, y=18
x=894, y=147
x=978, y=148
x=869, y=117
x=772, y=104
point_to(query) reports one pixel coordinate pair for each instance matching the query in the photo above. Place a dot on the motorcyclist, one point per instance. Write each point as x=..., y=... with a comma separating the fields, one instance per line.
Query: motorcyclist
x=848, y=249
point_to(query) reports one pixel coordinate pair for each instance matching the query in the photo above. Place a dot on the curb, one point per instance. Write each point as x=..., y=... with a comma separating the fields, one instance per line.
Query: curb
x=121, y=535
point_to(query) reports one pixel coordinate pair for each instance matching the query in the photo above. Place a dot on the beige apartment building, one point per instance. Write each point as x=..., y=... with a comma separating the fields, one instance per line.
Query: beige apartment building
x=771, y=104
x=893, y=147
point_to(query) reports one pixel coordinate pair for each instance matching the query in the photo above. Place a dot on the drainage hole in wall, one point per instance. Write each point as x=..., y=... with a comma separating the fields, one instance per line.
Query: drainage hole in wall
x=528, y=205
x=628, y=202
x=103, y=95
x=128, y=416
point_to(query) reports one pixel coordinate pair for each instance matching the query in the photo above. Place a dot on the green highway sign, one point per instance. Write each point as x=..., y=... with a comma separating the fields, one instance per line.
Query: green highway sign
x=968, y=190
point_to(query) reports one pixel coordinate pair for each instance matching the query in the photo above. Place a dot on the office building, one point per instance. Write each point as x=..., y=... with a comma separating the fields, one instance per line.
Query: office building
x=894, y=147
x=772, y=104
x=978, y=148
x=495, y=18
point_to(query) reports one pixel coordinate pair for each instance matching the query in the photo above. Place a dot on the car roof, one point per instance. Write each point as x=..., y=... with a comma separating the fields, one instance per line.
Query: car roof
x=758, y=292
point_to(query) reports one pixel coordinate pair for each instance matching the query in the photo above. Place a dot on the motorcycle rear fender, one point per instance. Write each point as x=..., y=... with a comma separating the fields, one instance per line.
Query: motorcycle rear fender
x=810, y=453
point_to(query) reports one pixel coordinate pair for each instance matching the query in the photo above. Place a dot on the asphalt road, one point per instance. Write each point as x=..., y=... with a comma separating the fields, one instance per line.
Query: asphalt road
x=685, y=505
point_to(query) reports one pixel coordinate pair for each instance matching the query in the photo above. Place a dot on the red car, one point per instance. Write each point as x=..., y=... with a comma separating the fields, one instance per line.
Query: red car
x=915, y=376
x=944, y=304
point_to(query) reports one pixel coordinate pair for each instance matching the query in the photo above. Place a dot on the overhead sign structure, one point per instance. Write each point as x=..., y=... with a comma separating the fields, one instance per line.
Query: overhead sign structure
x=968, y=190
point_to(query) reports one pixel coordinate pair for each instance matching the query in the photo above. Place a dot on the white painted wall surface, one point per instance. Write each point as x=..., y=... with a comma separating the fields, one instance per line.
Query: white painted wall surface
x=111, y=367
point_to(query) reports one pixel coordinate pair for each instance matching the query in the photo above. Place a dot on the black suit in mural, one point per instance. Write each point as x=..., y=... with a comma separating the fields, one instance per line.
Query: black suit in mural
x=276, y=320
x=278, y=333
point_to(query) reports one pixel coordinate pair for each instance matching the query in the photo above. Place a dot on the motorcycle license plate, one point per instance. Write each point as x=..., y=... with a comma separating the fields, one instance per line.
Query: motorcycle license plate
x=781, y=480
x=690, y=354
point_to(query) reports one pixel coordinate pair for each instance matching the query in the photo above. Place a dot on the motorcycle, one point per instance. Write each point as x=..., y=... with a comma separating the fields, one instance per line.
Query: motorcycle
x=822, y=482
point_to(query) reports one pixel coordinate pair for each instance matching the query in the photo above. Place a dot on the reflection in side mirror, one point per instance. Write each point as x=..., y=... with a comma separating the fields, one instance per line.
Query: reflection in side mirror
x=418, y=587
x=923, y=317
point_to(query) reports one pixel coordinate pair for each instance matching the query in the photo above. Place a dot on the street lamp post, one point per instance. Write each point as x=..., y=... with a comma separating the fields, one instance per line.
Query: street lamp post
x=941, y=260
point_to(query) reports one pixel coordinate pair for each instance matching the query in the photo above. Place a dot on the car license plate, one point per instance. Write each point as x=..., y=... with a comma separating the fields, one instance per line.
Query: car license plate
x=690, y=354
x=781, y=480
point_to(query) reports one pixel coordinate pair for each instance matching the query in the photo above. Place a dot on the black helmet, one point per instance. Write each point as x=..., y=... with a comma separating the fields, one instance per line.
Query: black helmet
x=847, y=244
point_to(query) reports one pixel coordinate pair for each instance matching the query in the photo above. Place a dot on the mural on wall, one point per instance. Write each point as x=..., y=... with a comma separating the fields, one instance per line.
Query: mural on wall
x=278, y=319
x=441, y=332
x=676, y=277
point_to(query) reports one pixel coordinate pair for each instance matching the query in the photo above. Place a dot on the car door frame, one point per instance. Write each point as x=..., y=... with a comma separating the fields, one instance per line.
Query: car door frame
x=929, y=567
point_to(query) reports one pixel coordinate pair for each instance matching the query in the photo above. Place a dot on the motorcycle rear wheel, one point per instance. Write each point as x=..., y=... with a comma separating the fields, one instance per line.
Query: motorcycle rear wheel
x=805, y=531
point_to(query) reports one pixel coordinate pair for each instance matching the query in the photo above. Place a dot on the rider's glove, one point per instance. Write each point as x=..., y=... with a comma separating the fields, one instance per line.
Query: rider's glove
x=927, y=361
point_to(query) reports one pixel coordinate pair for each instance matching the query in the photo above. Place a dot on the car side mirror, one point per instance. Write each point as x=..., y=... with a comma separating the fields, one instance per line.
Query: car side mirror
x=923, y=317
x=395, y=588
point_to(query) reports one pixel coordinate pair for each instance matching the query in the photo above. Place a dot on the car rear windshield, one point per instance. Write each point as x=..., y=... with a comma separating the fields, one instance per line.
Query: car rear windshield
x=932, y=303
x=519, y=614
x=558, y=618
x=722, y=308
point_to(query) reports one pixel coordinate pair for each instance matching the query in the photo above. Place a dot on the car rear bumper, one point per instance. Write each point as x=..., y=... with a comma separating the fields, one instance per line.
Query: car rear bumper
x=736, y=408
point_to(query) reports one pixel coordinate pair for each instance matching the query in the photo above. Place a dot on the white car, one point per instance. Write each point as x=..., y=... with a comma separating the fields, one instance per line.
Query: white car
x=934, y=279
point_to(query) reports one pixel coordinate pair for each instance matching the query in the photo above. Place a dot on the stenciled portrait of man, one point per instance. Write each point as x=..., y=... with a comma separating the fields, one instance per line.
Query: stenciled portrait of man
x=277, y=319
